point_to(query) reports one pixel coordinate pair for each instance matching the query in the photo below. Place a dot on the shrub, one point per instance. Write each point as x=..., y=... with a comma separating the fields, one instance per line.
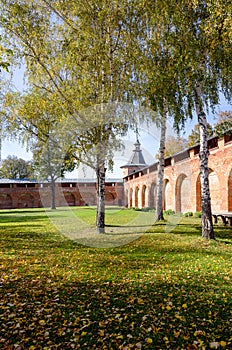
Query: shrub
x=197, y=214
x=148, y=209
x=137, y=209
x=188, y=214
x=169, y=212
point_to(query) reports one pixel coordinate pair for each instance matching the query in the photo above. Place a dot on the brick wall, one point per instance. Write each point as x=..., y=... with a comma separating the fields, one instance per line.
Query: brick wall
x=26, y=194
x=182, y=180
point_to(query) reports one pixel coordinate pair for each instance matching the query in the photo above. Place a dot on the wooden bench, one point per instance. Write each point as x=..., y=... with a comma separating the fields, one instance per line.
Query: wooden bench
x=225, y=217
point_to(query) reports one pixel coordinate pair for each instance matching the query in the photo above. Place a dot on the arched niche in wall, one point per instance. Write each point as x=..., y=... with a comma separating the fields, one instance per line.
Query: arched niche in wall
x=182, y=193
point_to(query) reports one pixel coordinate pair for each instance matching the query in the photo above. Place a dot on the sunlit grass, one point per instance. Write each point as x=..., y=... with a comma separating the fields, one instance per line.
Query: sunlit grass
x=164, y=290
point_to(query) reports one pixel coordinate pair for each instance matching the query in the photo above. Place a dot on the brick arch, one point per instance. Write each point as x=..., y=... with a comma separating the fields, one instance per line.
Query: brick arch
x=182, y=193
x=214, y=187
x=144, y=197
x=136, y=194
x=130, y=202
x=110, y=196
x=198, y=193
x=167, y=195
x=70, y=198
x=230, y=191
x=143, y=193
x=126, y=198
x=5, y=201
x=152, y=195
x=26, y=200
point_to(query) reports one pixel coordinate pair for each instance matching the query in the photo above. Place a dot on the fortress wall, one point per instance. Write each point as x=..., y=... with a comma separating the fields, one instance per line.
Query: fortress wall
x=182, y=180
x=23, y=194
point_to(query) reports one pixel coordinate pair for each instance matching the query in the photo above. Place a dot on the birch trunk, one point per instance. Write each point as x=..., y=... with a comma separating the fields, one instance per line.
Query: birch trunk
x=160, y=175
x=100, y=217
x=207, y=222
x=53, y=191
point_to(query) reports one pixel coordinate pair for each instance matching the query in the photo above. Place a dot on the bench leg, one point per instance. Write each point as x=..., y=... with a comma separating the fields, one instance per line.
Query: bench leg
x=215, y=219
x=223, y=219
x=230, y=221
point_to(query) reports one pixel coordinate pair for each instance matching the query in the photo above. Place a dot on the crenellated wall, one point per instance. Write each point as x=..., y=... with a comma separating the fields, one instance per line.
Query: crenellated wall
x=138, y=189
x=30, y=194
x=182, y=181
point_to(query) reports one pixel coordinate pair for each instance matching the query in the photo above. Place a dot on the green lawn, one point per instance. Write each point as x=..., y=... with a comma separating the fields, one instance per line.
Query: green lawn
x=164, y=290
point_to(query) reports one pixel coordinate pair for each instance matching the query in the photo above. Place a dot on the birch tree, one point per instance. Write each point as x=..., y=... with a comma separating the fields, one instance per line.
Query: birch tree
x=205, y=54
x=82, y=51
x=161, y=88
x=201, y=70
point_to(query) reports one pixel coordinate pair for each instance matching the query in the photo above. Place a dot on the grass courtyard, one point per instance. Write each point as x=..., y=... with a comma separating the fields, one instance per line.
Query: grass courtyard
x=164, y=289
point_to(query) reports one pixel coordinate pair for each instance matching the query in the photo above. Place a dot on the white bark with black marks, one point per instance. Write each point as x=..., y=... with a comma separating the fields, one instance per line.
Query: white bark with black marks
x=100, y=217
x=207, y=222
x=160, y=175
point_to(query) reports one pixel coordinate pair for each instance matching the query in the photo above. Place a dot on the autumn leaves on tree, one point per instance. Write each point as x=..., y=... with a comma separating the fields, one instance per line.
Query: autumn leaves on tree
x=173, y=57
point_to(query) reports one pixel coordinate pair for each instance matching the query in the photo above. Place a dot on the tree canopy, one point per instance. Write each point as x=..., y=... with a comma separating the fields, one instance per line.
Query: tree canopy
x=224, y=123
x=175, y=57
x=194, y=136
x=16, y=168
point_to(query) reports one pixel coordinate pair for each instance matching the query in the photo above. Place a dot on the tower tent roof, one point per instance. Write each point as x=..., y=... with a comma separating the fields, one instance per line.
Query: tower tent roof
x=136, y=159
x=137, y=155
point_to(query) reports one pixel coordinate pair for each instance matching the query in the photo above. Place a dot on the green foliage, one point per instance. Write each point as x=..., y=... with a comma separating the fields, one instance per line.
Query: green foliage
x=5, y=55
x=197, y=214
x=188, y=214
x=165, y=290
x=137, y=209
x=17, y=168
x=169, y=212
x=224, y=124
x=194, y=137
x=145, y=209
x=174, y=145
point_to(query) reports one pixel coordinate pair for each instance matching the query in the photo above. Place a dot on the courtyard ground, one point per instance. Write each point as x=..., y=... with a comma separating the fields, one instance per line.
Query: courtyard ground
x=164, y=290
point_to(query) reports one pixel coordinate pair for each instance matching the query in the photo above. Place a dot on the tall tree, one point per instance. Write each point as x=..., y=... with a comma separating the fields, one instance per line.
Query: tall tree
x=33, y=121
x=82, y=51
x=95, y=148
x=50, y=163
x=161, y=88
x=160, y=174
x=204, y=74
x=16, y=168
x=201, y=55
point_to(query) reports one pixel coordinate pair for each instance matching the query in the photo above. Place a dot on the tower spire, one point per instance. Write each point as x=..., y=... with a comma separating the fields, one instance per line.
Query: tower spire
x=137, y=133
x=137, y=155
x=136, y=160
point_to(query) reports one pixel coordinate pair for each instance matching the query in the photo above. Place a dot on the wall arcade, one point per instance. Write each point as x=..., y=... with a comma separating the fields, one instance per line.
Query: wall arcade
x=182, y=179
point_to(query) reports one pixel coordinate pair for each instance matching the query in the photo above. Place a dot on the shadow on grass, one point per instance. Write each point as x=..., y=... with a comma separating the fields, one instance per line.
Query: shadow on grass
x=90, y=313
x=129, y=226
x=21, y=218
x=224, y=233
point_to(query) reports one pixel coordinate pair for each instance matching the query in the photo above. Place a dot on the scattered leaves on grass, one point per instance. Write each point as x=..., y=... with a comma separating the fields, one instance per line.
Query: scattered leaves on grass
x=163, y=291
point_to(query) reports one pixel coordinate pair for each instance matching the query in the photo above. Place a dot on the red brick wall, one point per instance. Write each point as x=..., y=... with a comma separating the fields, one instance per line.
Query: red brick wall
x=182, y=182
x=23, y=194
x=181, y=185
